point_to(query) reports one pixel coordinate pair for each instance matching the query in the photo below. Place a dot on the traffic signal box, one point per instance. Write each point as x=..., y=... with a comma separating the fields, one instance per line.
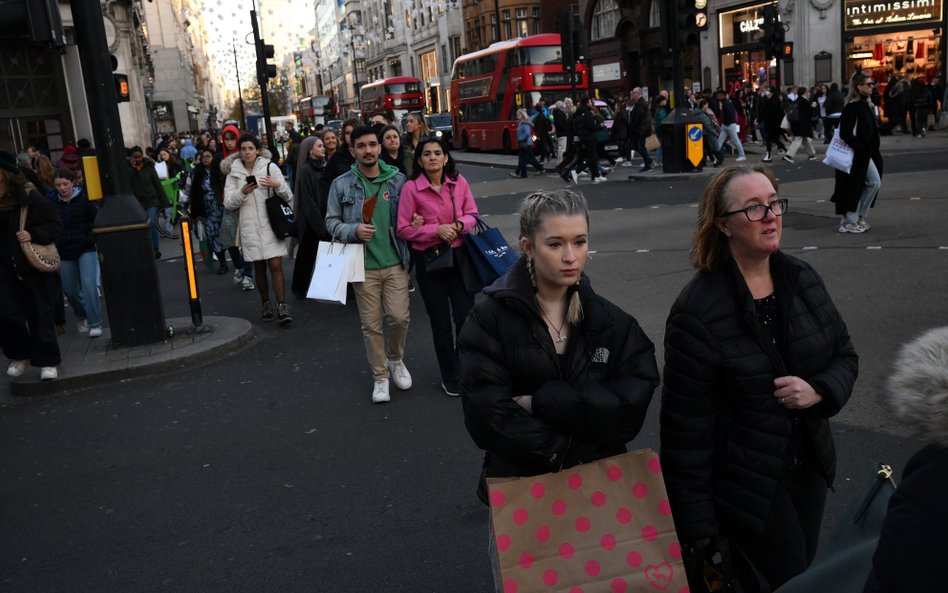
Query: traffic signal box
x=775, y=45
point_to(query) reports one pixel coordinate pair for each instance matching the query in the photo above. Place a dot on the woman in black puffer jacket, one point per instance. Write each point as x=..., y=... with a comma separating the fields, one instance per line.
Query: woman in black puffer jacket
x=551, y=373
x=757, y=358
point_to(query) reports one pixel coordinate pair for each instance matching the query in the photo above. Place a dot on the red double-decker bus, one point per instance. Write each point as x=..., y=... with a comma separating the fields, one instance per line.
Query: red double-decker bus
x=400, y=94
x=488, y=86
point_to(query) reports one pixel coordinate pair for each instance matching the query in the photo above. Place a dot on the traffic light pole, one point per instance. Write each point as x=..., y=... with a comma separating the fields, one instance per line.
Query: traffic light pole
x=262, y=81
x=129, y=274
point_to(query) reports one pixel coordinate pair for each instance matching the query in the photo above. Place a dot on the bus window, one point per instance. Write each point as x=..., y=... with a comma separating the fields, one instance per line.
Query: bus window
x=403, y=88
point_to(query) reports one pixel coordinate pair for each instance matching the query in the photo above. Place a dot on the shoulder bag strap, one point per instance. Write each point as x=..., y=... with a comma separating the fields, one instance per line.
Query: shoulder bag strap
x=23, y=210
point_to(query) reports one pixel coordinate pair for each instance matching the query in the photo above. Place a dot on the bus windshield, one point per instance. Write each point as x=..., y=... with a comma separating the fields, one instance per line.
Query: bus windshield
x=320, y=101
x=541, y=55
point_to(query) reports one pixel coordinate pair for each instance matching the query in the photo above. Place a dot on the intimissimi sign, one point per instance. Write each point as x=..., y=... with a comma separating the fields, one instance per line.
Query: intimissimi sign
x=862, y=14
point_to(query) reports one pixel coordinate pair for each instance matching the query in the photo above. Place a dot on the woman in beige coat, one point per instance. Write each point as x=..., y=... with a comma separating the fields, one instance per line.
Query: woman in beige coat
x=250, y=182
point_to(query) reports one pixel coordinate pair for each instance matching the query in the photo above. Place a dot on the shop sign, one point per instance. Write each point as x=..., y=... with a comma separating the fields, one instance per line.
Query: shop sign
x=861, y=14
x=745, y=25
x=193, y=109
x=604, y=72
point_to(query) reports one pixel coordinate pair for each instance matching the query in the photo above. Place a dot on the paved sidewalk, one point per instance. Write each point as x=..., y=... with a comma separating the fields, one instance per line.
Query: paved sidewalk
x=896, y=144
x=90, y=362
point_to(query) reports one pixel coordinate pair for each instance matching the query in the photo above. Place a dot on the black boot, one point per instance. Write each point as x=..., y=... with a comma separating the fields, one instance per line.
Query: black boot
x=221, y=258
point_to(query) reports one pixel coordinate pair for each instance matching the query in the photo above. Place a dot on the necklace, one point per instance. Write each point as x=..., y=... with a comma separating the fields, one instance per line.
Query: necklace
x=560, y=337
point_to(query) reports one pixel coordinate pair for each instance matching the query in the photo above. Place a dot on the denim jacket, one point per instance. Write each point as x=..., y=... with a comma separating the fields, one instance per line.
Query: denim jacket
x=344, y=210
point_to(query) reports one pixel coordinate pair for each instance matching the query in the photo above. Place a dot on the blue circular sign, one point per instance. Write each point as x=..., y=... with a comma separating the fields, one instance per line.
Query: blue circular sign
x=694, y=134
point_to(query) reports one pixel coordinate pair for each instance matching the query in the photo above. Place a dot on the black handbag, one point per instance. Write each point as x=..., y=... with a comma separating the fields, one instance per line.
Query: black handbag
x=441, y=256
x=280, y=214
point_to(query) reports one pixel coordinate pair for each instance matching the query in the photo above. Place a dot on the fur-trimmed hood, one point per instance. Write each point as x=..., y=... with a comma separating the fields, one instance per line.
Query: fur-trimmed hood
x=917, y=391
x=227, y=163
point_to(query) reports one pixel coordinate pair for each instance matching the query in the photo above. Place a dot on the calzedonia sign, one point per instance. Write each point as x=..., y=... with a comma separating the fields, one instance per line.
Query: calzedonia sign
x=862, y=14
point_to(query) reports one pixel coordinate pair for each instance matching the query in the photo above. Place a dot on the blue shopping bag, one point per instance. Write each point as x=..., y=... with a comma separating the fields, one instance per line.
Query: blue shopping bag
x=489, y=251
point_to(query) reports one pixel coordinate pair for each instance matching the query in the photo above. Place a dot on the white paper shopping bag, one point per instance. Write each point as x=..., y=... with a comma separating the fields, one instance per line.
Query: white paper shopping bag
x=329, y=278
x=354, y=251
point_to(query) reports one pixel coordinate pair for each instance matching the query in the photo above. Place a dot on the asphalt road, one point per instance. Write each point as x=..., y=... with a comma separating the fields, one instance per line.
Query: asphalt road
x=271, y=470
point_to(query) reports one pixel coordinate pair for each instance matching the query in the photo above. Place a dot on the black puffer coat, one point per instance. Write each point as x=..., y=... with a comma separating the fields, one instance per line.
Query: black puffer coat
x=725, y=438
x=586, y=413
x=78, y=216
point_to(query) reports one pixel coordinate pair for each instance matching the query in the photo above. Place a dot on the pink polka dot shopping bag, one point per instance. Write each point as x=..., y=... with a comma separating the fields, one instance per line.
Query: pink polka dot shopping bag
x=601, y=527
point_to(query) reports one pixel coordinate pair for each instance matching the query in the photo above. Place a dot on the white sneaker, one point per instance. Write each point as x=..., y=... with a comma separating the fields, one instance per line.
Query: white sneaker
x=400, y=375
x=740, y=159
x=599, y=179
x=627, y=164
x=574, y=176
x=81, y=326
x=238, y=276
x=17, y=368
x=49, y=373
x=246, y=283
x=851, y=227
x=583, y=174
x=863, y=223
x=380, y=392
x=95, y=332
x=619, y=159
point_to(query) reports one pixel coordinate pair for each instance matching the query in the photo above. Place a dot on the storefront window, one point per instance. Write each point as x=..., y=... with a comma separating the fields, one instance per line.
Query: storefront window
x=747, y=69
x=903, y=54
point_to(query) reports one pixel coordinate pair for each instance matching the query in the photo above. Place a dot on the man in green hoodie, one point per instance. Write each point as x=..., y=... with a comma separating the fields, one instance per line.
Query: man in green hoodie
x=362, y=208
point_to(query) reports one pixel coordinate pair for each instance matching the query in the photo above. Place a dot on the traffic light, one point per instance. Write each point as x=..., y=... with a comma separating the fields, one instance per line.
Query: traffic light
x=566, y=41
x=787, y=51
x=121, y=88
x=38, y=20
x=691, y=17
x=773, y=32
x=265, y=69
x=298, y=59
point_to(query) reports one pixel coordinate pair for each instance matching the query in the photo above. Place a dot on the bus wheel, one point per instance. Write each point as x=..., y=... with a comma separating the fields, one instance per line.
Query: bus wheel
x=506, y=142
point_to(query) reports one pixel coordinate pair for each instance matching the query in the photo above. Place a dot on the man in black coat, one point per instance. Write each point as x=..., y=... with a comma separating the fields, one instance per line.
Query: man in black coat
x=640, y=127
x=802, y=125
x=585, y=126
x=834, y=110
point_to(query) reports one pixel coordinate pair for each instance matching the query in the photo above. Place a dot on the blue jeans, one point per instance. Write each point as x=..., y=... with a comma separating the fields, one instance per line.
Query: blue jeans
x=153, y=226
x=525, y=157
x=79, y=285
x=730, y=131
x=870, y=190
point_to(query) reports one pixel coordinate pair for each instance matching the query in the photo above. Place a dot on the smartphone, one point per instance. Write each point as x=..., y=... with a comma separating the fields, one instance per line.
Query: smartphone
x=251, y=180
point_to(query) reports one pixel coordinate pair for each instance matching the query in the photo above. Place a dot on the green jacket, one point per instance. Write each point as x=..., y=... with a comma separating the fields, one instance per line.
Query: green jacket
x=146, y=186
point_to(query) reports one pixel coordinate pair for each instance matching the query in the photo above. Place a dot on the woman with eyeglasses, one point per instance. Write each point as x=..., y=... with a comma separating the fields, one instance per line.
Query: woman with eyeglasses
x=855, y=192
x=757, y=359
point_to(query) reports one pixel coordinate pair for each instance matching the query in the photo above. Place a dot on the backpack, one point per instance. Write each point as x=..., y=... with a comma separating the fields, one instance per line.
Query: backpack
x=793, y=112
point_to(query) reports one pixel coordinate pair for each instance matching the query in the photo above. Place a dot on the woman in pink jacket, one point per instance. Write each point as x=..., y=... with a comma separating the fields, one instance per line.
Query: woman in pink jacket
x=435, y=209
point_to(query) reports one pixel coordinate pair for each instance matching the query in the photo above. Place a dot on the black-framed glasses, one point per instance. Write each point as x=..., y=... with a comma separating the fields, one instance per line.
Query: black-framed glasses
x=757, y=212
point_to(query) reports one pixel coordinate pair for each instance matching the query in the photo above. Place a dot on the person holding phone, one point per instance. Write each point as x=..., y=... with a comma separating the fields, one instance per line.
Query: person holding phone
x=250, y=182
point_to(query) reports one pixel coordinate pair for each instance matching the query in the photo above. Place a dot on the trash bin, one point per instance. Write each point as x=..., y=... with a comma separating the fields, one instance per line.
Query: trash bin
x=682, y=137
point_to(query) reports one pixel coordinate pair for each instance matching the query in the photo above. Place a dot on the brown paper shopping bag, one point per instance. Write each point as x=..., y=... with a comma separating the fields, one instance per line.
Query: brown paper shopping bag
x=601, y=527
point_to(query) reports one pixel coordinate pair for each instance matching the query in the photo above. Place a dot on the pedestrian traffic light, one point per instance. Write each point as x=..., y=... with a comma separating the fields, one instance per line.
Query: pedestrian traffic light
x=787, y=51
x=121, y=88
x=773, y=32
x=265, y=69
x=298, y=59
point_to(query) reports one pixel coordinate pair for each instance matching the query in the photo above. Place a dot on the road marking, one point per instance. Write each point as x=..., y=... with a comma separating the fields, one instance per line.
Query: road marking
x=874, y=247
x=915, y=198
x=692, y=205
x=655, y=207
x=810, y=248
x=820, y=201
x=617, y=209
x=642, y=250
x=944, y=247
